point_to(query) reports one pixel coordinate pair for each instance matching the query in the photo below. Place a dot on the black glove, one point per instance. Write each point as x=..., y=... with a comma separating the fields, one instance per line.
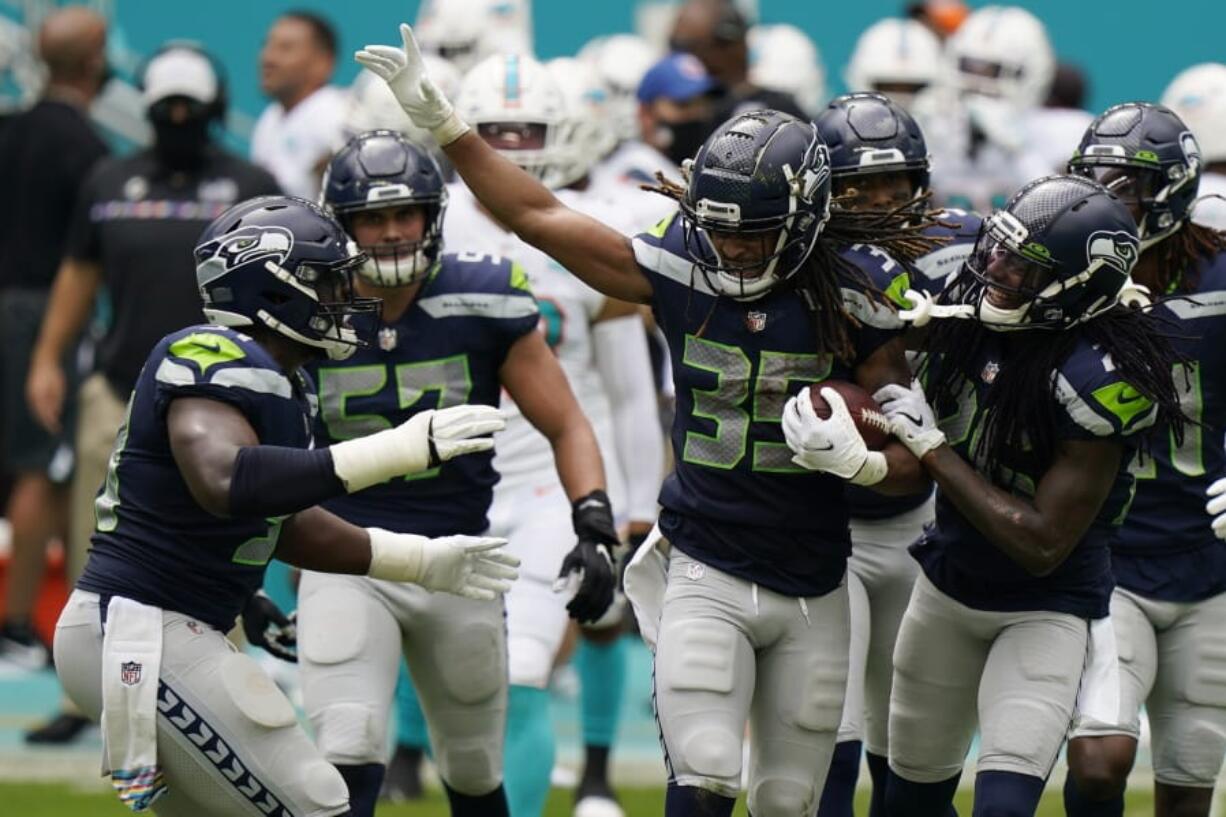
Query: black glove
x=592, y=557
x=266, y=626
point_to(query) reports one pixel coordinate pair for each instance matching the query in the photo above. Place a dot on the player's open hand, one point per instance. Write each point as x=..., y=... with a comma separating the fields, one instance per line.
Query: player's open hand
x=45, y=390
x=401, y=67
x=463, y=430
x=476, y=567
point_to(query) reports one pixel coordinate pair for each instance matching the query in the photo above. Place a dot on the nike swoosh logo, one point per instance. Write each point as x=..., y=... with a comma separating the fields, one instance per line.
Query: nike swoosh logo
x=591, y=503
x=829, y=447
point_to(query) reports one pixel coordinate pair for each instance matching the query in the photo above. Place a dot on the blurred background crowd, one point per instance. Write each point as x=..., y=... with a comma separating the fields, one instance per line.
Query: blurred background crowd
x=127, y=125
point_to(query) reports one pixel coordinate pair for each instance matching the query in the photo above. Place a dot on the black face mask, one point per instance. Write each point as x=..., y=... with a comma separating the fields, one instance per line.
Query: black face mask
x=681, y=140
x=181, y=146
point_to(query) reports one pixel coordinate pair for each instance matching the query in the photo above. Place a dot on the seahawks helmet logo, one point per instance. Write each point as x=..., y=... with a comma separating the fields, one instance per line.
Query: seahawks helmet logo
x=1118, y=250
x=253, y=243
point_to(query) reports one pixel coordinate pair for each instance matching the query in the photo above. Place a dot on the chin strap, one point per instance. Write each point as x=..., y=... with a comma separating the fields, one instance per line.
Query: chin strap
x=924, y=308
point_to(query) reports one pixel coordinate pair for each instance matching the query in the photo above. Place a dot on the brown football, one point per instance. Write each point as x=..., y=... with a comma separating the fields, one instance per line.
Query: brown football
x=870, y=420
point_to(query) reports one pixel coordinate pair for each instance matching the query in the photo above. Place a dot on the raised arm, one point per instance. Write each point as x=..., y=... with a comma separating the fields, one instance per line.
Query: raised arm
x=599, y=255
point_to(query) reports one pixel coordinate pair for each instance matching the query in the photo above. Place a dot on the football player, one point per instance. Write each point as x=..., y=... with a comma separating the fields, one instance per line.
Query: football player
x=213, y=474
x=998, y=66
x=880, y=165
x=456, y=328
x=515, y=104
x=1169, y=604
x=895, y=57
x=748, y=618
x=1198, y=97
x=1038, y=386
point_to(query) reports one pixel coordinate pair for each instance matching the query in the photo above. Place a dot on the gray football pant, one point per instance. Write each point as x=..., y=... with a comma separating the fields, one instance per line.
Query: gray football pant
x=730, y=651
x=1172, y=658
x=352, y=631
x=228, y=740
x=880, y=575
x=1014, y=675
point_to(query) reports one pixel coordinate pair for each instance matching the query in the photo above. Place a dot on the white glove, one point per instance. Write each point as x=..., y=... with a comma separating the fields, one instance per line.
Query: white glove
x=1216, y=506
x=911, y=418
x=403, y=71
x=833, y=445
x=421, y=442
x=475, y=567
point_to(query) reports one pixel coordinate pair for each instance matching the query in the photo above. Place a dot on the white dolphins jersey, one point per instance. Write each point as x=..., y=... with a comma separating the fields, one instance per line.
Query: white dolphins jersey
x=568, y=308
x=1210, y=211
x=620, y=176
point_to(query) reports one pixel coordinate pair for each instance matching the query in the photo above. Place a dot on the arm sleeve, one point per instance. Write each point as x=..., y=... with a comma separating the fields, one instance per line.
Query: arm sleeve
x=271, y=480
x=620, y=349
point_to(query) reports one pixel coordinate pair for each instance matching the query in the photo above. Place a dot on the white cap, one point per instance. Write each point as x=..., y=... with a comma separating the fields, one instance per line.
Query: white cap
x=180, y=72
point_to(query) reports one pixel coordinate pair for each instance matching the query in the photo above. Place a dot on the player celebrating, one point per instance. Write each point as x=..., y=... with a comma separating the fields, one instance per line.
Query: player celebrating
x=1037, y=395
x=880, y=165
x=753, y=622
x=1169, y=605
x=456, y=328
x=212, y=476
x=515, y=104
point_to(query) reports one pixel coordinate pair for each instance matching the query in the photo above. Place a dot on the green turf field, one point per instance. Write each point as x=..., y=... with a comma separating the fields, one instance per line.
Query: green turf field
x=47, y=800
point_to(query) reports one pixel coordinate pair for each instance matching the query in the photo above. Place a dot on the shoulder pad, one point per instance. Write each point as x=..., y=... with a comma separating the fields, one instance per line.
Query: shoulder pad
x=221, y=357
x=1097, y=399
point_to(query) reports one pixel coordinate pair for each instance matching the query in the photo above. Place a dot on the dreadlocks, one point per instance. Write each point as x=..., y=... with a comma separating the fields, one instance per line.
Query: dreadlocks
x=1178, y=254
x=899, y=231
x=1020, y=410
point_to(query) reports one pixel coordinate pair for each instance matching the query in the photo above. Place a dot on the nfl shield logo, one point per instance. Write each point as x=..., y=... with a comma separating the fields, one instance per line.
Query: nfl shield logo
x=387, y=339
x=129, y=673
x=756, y=321
x=990, y=370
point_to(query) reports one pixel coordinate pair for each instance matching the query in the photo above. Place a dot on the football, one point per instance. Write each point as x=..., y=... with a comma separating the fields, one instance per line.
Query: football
x=870, y=420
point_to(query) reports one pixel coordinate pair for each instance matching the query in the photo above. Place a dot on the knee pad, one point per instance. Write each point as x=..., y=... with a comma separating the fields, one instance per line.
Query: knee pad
x=349, y=734
x=471, y=767
x=323, y=785
x=472, y=665
x=254, y=694
x=327, y=631
x=1191, y=752
x=712, y=756
x=781, y=797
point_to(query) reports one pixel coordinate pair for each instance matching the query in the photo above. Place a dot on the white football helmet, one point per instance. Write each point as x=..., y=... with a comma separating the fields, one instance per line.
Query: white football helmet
x=510, y=99
x=588, y=136
x=467, y=31
x=1002, y=52
x=895, y=57
x=373, y=106
x=1197, y=95
x=621, y=60
x=783, y=58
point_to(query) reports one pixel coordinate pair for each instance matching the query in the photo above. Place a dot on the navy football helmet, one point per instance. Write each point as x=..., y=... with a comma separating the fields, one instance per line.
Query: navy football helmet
x=1159, y=157
x=283, y=263
x=381, y=169
x=868, y=133
x=1057, y=255
x=759, y=173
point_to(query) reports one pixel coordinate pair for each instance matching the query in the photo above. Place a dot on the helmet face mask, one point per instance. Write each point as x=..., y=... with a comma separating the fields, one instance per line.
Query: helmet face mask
x=1153, y=146
x=760, y=187
x=1059, y=254
x=283, y=264
x=380, y=177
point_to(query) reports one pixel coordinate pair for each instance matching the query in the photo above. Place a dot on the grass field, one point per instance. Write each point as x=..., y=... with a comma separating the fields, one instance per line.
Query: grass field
x=43, y=800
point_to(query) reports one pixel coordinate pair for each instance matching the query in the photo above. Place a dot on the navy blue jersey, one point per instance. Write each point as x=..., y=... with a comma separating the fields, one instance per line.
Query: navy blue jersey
x=1166, y=549
x=445, y=350
x=735, y=500
x=153, y=543
x=927, y=274
x=1093, y=403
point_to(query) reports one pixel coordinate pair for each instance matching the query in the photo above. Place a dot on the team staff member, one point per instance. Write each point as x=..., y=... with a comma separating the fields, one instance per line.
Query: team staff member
x=136, y=222
x=45, y=154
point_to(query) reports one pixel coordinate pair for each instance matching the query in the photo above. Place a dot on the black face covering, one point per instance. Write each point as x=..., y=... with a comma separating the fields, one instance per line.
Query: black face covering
x=180, y=145
x=682, y=140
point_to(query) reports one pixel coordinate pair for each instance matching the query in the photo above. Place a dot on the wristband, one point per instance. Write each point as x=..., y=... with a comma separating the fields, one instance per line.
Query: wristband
x=872, y=471
x=376, y=458
x=395, y=557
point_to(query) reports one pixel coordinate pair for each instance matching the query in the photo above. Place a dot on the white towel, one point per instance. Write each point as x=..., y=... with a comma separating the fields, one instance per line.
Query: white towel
x=1098, y=699
x=131, y=661
x=646, y=580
